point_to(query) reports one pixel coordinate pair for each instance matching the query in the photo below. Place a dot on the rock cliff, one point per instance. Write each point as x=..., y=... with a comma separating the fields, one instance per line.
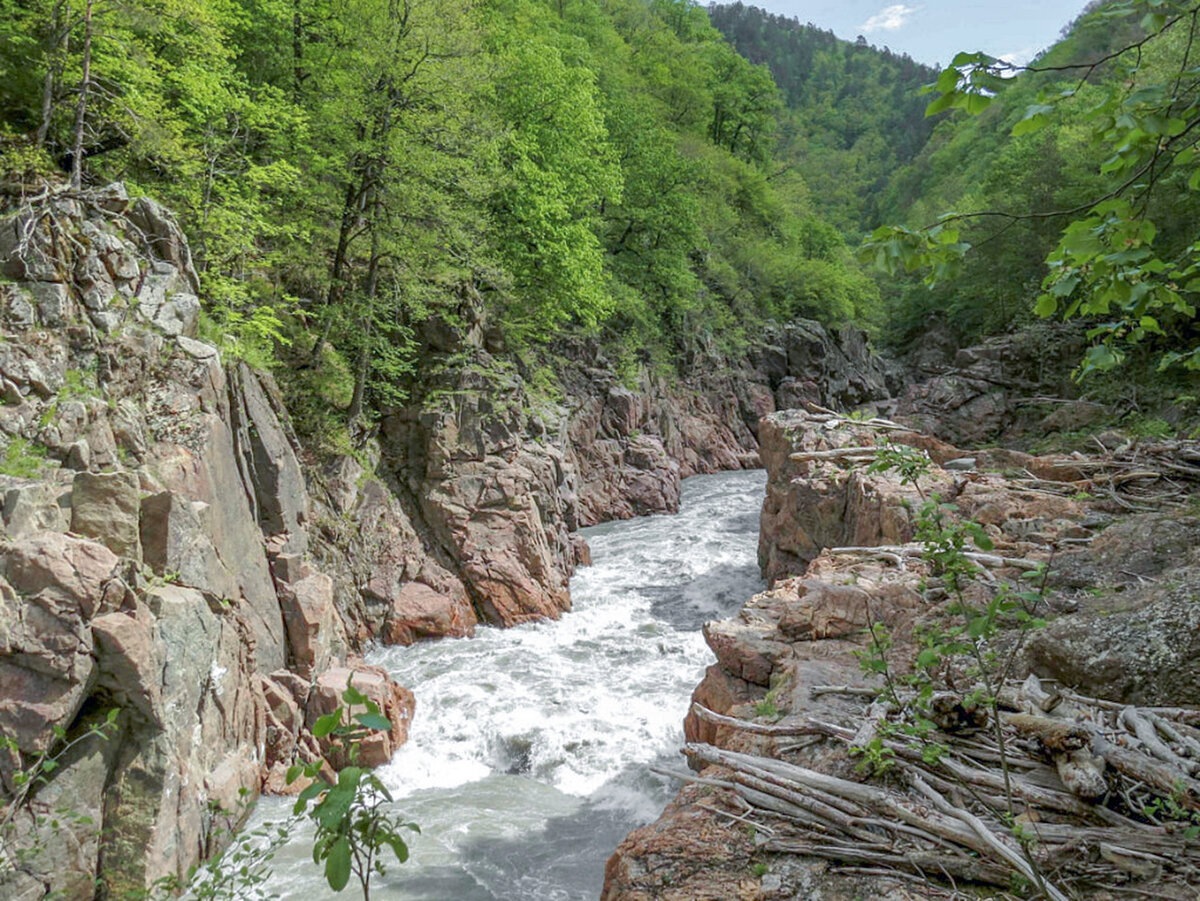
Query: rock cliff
x=155, y=556
x=171, y=549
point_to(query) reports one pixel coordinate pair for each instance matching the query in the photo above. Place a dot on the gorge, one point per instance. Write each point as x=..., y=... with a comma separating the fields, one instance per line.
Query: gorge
x=477, y=416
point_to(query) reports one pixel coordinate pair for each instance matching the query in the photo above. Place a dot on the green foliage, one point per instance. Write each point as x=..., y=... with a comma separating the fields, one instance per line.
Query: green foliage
x=852, y=113
x=354, y=825
x=1172, y=810
x=241, y=873
x=353, y=174
x=1094, y=217
x=23, y=459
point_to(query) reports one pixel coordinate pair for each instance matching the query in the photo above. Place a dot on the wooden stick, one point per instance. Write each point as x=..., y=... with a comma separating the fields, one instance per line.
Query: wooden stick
x=989, y=838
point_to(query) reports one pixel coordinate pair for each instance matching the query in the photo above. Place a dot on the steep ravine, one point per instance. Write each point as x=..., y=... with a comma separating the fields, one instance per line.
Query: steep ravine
x=526, y=764
x=172, y=549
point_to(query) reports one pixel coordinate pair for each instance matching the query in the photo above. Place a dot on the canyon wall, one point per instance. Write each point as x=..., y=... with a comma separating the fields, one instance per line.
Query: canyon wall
x=837, y=543
x=171, y=550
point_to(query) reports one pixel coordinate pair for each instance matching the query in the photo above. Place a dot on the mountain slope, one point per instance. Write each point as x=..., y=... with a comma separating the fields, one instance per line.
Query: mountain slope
x=853, y=113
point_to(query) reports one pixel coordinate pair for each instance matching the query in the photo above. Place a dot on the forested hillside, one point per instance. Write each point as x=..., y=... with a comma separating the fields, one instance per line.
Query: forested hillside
x=1104, y=115
x=853, y=112
x=350, y=171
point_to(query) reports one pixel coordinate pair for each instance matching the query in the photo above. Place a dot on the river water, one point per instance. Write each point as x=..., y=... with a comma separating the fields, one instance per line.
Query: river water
x=527, y=760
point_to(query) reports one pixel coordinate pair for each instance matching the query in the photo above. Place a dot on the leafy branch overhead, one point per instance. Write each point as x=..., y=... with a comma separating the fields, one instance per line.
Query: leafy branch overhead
x=1123, y=261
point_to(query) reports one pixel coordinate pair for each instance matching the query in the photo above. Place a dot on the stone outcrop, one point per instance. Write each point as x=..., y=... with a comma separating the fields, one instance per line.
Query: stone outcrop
x=154, y=559
x=1120, y=595
x=975, y=395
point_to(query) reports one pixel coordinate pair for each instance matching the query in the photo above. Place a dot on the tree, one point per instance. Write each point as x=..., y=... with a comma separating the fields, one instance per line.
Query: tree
x=1112, y=264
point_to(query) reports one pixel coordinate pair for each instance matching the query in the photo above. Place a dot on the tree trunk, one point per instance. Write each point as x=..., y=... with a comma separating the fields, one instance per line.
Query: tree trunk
x=50, y=82
x=81, y=106
x=297, y=50
x=370, y=290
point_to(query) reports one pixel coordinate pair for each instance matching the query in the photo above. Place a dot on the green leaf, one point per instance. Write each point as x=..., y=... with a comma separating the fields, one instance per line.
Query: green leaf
x=1046, y=306
x=337, y=864
x=947, y=101
x=1153, y=22
x=375, y=721
x=977, y=103
x=1194, y=181
x=353, y=696
x=399, y=848
x=927, y=658
x=326, y=724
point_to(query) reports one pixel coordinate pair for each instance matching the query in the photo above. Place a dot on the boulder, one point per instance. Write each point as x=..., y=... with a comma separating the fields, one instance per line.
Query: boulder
x=105, y=506
x=36, y=507
x=418, y=612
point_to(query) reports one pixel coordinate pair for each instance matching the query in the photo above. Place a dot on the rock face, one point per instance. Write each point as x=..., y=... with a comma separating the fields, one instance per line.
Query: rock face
x=170, y=548
x=156, y=522
x=972, y=396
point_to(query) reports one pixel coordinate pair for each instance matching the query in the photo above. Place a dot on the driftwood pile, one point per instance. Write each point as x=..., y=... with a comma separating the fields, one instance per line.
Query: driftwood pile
x=1083, y=796
x=1140, y=475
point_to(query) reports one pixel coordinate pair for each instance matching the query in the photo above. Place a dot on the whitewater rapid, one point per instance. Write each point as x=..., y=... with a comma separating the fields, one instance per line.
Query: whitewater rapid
x=526, y=762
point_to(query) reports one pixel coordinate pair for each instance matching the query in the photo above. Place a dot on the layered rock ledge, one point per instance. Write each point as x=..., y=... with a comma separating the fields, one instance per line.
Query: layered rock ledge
x=837, y=542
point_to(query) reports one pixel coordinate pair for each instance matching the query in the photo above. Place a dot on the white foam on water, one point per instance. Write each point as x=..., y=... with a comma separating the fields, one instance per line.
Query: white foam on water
x=552, y=723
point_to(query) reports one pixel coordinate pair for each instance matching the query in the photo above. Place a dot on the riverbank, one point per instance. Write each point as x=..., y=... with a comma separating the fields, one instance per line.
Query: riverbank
x=840, y=541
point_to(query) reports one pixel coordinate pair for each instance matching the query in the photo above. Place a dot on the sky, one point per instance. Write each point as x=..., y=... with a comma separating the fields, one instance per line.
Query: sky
x=932, y=31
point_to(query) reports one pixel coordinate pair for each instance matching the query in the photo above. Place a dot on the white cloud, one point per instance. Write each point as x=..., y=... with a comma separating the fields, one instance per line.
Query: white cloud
x=890, y=18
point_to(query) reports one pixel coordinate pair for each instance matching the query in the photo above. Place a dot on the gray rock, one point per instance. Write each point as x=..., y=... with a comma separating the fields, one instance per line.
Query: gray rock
x=313, y=626
x=111, y=198
x=18, y=311
x=79, y=456
x=276, y=481
x=94, y=282
x=164, y=302
x=53, y=302
x=105, y=506
x=960, y=464
x=107, y=322
x=64, y=863
x=38, y=507
x=209, y=473
x=11, y=393
x=198, y=350
x=176, y=541
x=165, y=240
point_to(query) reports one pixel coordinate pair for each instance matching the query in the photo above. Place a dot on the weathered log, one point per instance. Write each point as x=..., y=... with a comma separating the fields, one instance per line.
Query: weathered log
x=990, y=839
x=928, y=864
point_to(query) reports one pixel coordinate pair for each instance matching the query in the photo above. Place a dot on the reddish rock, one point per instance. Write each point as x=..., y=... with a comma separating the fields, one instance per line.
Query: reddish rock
x=395, y=702
x=688, y=854
x=419, y=612
x=314, y=628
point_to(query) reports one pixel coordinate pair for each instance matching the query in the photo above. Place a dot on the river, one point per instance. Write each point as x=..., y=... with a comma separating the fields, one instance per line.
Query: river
x=527, y=760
